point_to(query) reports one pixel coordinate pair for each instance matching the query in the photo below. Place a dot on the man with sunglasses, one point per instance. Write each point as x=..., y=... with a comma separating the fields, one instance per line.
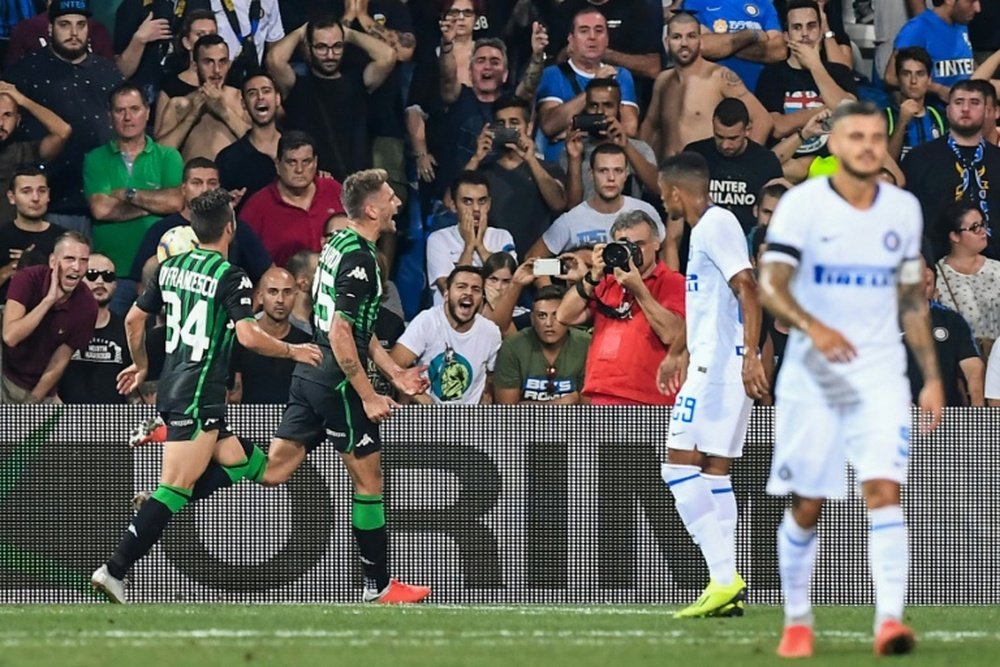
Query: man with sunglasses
x=91, y=376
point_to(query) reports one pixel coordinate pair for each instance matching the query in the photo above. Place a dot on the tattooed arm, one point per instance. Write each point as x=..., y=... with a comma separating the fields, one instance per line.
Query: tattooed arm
x=775, y=295
x=761, y=122
x=345, y=351
x=914, y=313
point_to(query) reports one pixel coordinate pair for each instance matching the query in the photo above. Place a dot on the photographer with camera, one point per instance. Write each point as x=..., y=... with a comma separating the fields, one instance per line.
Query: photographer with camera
x=636, y=304
x=526, y=190
x=601, y=123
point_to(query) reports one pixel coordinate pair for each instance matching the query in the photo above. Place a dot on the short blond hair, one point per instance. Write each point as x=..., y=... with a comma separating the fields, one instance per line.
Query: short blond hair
x=358, y=187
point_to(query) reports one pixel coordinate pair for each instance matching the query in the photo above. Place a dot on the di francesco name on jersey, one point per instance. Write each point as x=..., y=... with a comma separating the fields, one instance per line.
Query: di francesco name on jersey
x=189, y=281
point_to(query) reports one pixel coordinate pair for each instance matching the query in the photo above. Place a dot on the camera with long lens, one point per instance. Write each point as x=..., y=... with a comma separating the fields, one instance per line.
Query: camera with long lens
x=595, y=124
x=617, y=255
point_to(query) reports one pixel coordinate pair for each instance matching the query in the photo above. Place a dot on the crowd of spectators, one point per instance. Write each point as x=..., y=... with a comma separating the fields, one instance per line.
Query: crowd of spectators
x=534, y=259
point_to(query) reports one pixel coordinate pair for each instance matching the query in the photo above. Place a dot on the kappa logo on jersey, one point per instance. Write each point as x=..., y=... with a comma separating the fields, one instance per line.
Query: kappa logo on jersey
x=364, y=442
x=359, y=273
x=246, y=283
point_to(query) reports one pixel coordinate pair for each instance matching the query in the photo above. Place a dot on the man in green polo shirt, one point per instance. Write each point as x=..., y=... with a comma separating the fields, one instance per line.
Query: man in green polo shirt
x=130, y=183
x=545, y=363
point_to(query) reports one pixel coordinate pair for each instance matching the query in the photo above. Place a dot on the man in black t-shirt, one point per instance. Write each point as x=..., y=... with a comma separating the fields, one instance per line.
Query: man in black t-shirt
x=330, y=101
x=28, y=231
x=805, y=84
x=958, y=355
x=257, y=378
x=960, y=166
x=91, y=376
x=738, y=167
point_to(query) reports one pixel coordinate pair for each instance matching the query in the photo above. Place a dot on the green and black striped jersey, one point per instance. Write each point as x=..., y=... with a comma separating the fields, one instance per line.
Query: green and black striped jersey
x=347, y=284
x=203, y=295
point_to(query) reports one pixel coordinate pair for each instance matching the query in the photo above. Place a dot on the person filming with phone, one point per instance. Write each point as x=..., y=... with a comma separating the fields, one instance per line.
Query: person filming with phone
x=527, y=190
x=636, y=305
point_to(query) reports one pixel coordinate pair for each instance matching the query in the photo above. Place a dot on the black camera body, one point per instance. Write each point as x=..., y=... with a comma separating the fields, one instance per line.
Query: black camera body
x=505, y=135
x=617, y=254
x=592, y=123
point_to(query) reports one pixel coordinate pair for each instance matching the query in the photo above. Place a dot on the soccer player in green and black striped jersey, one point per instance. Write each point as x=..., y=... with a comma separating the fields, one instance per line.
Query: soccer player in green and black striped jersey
x=336, y=401
x=208, y=303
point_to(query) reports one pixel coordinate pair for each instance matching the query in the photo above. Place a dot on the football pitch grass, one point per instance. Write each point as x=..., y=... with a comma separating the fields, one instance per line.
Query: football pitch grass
x=476, y=635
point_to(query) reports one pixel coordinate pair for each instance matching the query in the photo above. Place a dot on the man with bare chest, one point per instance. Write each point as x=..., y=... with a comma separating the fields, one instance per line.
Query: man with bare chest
x=685, y=96
x=212, y=117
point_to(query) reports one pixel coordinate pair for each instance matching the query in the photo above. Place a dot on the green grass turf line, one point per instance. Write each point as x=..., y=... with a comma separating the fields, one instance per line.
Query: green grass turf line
x=480, y=636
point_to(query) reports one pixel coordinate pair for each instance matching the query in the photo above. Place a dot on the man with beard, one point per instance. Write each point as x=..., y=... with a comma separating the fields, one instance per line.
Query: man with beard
x=130, y=182
x=738, y=166
x=330, y=101
x=49, y=314
x=960, y=166
x=258, y=378
x=204, y=122
x=591, y=221
x=469, y=242
x=545, y=362
x=290, y=214
x=74, y=84
x=247, y=165
x=456, y=344
x=685, y=96
x=29, y=230
x=91, y=376
x=16, y=154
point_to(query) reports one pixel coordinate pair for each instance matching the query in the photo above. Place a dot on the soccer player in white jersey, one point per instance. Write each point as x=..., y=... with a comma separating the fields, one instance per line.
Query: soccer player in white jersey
x=724, y=373
x=847, y=249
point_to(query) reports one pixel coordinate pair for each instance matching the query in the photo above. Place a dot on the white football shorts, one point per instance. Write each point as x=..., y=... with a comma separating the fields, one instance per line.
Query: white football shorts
x=710, y=417
x=814, y=440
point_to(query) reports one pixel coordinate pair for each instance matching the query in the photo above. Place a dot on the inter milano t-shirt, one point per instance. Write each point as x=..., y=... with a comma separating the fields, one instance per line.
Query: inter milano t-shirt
x=948, y=45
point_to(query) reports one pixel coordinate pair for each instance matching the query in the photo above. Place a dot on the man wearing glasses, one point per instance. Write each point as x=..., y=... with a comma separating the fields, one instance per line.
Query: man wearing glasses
x=330, y=101
x=91, y=376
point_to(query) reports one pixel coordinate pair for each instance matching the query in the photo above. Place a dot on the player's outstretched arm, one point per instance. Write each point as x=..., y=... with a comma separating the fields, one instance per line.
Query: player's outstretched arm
x=411, y=380
x=252, y=337
x=775, y=295
x=135, y=334
x=345, y=351
x=744, y=286
x=914, y=313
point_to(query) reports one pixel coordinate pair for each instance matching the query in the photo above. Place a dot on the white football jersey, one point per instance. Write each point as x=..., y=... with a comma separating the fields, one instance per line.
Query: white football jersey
x=718, y=251
x=848, y=272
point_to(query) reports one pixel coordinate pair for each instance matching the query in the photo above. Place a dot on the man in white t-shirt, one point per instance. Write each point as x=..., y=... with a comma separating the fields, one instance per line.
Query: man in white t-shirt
x=709, y=419
x=589, y=223
x=847, y=249
x=472, y=240
x=457, y=344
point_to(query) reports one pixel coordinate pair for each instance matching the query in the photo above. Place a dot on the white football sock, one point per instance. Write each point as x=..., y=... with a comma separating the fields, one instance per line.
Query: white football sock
x=693, y=498
x=796, y=559
x=725, y=508
x=889, y=554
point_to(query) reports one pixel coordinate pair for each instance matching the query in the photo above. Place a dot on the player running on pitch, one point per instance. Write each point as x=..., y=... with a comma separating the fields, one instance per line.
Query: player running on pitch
x=208, y=301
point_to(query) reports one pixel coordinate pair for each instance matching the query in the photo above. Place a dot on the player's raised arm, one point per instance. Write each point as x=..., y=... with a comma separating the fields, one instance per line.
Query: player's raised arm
x=914, y=313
